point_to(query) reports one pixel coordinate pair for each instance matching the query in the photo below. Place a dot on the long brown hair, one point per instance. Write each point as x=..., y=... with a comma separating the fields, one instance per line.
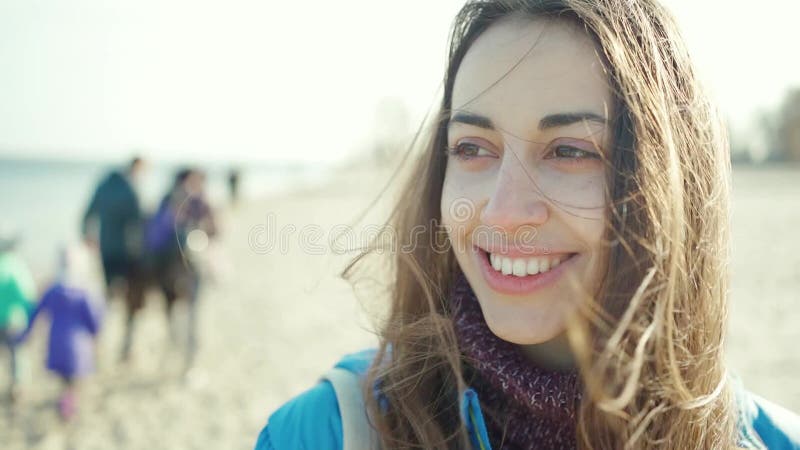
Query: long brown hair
x=650, y=349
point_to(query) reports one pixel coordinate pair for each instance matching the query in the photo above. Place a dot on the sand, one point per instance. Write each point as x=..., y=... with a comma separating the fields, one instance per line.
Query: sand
x=272, y=320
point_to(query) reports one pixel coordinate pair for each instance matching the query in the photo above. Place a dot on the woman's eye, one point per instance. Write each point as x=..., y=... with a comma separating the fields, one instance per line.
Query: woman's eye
x=468, y=150
x=569, y=152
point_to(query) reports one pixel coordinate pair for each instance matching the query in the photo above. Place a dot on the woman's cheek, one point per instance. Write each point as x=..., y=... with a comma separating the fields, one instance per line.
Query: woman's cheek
x=450, y=223
x=459, y=200
x=458, y=209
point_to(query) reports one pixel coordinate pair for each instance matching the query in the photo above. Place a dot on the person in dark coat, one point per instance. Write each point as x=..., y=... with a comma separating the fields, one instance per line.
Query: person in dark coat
x=113, y=222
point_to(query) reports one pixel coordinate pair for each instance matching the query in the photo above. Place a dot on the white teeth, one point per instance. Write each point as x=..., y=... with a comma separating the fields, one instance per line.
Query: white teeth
x=521, y=267
x=533, y=266
x=544, y=265
x=496, y=263
x=506, y=267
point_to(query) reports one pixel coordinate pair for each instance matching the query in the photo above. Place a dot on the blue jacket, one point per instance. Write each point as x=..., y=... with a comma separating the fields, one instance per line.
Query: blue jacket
x=312, y=421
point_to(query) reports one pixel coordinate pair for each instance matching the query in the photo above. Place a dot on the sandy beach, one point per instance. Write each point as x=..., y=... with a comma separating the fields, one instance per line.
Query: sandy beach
x=275, y=316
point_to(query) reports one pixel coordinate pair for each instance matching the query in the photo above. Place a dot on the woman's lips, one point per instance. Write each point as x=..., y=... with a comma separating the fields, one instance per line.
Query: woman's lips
x=520, y=285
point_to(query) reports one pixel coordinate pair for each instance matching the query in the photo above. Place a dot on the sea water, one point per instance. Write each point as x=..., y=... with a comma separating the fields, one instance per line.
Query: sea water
x=45, y=200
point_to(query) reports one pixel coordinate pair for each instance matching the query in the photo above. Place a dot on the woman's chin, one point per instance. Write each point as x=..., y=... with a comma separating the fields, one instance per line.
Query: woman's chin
x=524, y=329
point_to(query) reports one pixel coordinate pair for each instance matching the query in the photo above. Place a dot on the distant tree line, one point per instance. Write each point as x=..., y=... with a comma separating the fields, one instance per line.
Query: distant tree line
x=778, y=136
x=787, y=127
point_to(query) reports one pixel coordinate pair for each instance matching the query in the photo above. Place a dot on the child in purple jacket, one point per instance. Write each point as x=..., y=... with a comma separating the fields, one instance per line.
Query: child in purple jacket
x=74, y=323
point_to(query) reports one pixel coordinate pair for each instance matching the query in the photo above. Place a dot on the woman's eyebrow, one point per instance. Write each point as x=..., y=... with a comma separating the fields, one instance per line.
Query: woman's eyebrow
x=564, y=119
x=471, y=119
x=548, y=121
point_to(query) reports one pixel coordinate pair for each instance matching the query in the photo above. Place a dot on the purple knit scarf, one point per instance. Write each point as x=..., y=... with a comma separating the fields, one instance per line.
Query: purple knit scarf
x=525, y=406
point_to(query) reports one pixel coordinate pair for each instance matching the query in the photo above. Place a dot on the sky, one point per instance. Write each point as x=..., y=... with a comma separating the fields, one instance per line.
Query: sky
x=298, y=81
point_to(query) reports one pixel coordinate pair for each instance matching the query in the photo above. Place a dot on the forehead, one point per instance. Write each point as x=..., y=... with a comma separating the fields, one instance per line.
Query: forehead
x=522, y=69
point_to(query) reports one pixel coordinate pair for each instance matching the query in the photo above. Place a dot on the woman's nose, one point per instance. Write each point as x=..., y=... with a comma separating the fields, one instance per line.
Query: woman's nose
x=515, y=201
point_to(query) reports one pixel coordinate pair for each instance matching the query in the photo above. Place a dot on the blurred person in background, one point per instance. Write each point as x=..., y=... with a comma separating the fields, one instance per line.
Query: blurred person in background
x=17, y=294
x=581, y=177
x=113, y=224
x=182, y=226
x=234, y=180
x=74, y=322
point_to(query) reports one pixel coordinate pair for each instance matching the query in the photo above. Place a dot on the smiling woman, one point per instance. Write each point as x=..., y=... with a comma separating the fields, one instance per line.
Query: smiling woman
x=581, y=177
x=541, y=130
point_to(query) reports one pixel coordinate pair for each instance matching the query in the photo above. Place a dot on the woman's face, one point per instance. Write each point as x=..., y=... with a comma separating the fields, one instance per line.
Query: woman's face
x=524, y=192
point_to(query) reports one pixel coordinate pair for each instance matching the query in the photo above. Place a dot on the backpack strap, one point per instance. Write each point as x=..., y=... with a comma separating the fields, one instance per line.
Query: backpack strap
x=356, y=430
